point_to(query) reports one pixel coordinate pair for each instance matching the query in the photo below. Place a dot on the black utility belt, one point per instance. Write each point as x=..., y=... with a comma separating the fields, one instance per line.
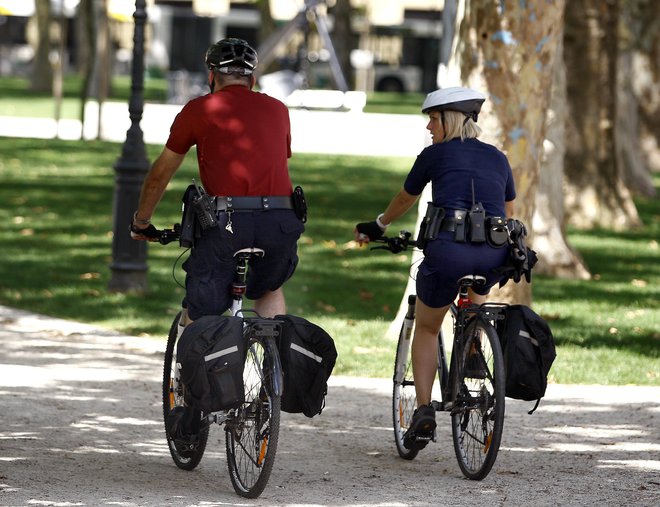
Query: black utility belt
x=253, y=203
x=468, y=226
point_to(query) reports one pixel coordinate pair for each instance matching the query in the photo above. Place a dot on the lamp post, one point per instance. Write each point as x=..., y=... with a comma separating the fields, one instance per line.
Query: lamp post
x=129, y=257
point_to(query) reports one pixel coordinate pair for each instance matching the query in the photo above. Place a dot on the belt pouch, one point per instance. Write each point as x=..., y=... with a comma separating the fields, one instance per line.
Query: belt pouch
x=299, y=204
x=188, y=219
x=422, y=237
x=477, y=219
x=497, y=232
x=434, y=224
x=461, y=232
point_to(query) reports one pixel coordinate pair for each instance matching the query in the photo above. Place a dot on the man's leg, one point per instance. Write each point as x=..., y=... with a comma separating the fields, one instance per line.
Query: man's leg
x=271, y=303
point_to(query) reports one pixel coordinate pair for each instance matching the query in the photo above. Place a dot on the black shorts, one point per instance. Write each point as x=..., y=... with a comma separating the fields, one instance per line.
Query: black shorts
x=211, y=266
x=445, y=261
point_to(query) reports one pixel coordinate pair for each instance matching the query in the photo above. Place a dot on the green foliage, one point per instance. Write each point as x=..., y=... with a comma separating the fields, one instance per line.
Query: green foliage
x=56, y=206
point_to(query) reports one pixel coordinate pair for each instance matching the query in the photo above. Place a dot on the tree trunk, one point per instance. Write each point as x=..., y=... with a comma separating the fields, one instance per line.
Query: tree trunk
x=87, y=16
x=343, y=38
x=556, y=256
x=41, y=78
x=646, y=69
x=507, y=49
x=597, y=196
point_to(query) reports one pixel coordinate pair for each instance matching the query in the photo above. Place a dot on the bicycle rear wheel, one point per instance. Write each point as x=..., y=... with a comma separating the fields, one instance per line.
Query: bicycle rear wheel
x=478, y=393
x=253, y=428
x=173, y=396
x=404, y=399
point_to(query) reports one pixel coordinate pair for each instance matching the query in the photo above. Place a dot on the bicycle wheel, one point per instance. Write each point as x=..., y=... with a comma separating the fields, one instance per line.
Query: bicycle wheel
x=404, y=399
x=253, y=429
x=173, y=396
x=478, y=393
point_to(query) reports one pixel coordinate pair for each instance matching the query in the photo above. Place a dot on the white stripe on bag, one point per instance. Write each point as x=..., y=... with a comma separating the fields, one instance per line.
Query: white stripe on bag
x=221, y=353
x=525, y=334
x=306, y=352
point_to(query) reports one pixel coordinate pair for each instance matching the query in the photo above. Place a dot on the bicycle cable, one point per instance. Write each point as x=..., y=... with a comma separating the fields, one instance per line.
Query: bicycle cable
x=176, y=261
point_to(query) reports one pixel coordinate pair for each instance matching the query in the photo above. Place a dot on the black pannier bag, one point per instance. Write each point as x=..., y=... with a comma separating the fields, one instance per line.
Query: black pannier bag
x=308, y=356
x=529, y=351
x=211, y=352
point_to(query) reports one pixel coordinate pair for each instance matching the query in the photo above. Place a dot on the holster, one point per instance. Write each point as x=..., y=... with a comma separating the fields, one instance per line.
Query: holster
x=299, y=204
x=430, y=225
x=189, y=225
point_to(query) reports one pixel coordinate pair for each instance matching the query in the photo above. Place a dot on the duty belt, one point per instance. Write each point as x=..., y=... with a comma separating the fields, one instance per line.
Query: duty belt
x=253, y=203
x=448, y=224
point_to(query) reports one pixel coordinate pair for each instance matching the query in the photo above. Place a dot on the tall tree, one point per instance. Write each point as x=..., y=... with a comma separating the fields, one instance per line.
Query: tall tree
x=41, y=78
x=556, y=256
x=343, y=38
x=597, y=194
x=508, y=49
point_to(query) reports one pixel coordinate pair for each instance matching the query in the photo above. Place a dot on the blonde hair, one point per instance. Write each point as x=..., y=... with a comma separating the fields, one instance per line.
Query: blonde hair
x=458, y=125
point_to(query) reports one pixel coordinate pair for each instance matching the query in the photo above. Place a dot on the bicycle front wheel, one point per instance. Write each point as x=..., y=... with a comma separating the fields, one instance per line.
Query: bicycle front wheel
x=404, y=399
x=253, y=428
x=173, y=396
x=478, y=393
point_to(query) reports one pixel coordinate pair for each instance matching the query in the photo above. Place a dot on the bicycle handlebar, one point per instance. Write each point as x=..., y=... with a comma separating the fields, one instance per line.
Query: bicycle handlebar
x=396, y=244
x=165, y=236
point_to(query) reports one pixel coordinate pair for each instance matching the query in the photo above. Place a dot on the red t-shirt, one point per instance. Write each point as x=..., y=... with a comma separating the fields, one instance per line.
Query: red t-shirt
x=243, y=141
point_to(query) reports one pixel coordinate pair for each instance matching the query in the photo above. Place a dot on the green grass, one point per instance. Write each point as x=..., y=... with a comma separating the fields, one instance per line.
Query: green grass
x=56, y=207
x=17, y=100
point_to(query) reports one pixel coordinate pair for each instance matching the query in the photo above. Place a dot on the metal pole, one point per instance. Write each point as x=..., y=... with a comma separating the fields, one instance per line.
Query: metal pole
x=129, y=257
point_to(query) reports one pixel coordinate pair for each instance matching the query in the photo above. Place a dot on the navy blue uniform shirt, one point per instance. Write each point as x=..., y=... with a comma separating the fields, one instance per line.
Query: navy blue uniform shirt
x=451, y=168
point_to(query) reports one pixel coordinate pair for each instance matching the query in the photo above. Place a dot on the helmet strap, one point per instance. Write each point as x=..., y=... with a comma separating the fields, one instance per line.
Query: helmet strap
x=211, y=80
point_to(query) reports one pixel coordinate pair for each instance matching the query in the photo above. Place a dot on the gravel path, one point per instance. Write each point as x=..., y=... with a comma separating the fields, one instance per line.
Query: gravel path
x=81, y=426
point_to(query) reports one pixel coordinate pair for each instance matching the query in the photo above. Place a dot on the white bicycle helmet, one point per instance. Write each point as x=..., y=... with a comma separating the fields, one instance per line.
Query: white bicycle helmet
x=455, y=98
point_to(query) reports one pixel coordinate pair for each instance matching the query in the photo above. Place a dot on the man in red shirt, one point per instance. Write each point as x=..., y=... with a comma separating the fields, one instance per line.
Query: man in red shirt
x=243, y=141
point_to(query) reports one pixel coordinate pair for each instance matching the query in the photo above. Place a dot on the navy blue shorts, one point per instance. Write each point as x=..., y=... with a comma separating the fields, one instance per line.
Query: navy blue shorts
x=446, y=261
x=211, y=266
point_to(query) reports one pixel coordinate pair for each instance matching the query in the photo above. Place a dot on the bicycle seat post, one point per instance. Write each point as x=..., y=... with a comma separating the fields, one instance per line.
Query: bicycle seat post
x=239, y=284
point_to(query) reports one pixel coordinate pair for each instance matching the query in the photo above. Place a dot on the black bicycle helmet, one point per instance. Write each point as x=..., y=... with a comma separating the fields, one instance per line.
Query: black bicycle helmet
x=456, y=98
x=231, y=55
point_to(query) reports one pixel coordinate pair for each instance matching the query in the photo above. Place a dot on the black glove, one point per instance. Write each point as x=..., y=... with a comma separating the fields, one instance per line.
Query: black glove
x=149, y=232
x=370, y=229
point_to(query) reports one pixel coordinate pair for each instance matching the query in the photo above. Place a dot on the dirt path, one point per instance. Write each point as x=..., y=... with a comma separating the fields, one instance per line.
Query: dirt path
x=81, y=425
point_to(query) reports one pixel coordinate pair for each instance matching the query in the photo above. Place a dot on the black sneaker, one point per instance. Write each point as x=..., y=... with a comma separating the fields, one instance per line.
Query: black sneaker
x=422, y=428
x=184, y=442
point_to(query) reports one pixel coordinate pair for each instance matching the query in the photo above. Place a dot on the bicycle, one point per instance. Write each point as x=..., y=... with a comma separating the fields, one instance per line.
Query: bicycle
x=252, y=429
x=472, y=388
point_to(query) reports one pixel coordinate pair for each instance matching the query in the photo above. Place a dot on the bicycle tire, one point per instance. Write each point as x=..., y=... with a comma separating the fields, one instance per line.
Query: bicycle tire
x=173, y=395
x=404, y=399
x=478, y=394
x=252, y=430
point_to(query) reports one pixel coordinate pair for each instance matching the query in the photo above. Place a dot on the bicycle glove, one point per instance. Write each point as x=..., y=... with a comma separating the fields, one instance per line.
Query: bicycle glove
x=149, y=232
x=370, y=229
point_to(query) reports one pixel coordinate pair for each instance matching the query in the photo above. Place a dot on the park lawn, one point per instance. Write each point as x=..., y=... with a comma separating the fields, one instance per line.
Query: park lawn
x=56, y=204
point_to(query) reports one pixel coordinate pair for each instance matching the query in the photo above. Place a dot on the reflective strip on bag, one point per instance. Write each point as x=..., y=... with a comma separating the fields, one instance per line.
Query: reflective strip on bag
x=220, y=353
x=525, y=334
x=307, y=353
